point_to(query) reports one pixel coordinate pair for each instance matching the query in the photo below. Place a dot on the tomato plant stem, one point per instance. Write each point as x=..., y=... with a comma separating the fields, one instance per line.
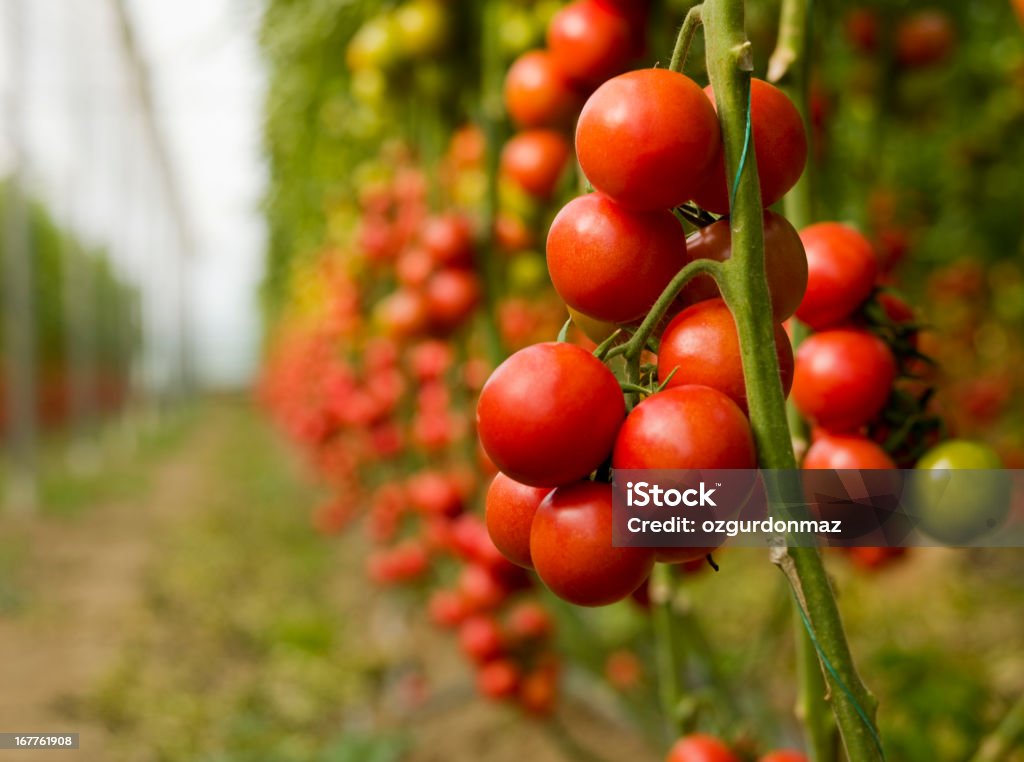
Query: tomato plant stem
x=746, y=292
x=665, y=641
x=685, y=39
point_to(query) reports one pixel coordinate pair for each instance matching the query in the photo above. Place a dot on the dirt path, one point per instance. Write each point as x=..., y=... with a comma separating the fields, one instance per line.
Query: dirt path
x=84, y=587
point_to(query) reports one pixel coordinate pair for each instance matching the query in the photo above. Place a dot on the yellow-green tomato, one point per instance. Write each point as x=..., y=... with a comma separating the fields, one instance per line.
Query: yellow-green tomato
x=594, y=329
x=422, y=27
x=375, y=45
x=960, y=491
x=527, y=271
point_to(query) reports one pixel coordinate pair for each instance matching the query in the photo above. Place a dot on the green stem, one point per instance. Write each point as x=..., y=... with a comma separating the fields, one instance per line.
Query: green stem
x=669, y=684
x=746, y=292
x=1006, y=738
x=685, y=39
x=811, y=705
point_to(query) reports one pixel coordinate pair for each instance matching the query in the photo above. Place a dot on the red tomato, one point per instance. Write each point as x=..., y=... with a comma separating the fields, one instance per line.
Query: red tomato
x=452, y=295
x=702, y=347
x=842, y=268
x=589, y=42
x=402, y=314
x=413, y=267
x=571, y=546
x=549, y=414
x=842, y=378
x=611, y=263
x=539, y=689
x=647, y=138
x=512, y=234
x=481, y=639
x=530, y=621
x=861, y=27
x=780, y=144
x=685, y=427
x=1018, y=5
x=700, y=748
x=449, y=240
x=925, y=38
x=538, y=93
x=783, y=755
x=784, y=260
x=846, y=451
x=535, y=160
x=510, y=510
x=498, y=679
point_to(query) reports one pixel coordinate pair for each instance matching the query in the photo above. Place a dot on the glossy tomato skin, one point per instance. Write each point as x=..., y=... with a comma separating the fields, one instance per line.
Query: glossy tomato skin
x=842, y=269
x=783, y=755
x=571, y=547
x=589, y=42
x=700, y=748
x=846, y=451
x=449, y=240
x=538, y=93
x=701, y=346
x=780, y=144
x=647, y=138
x=549, y=414
x=609, y=262
x=685, y=427
x=784, y=260
x=843, y=378
x=510, y=509
x=452, y=295
x=534, y=160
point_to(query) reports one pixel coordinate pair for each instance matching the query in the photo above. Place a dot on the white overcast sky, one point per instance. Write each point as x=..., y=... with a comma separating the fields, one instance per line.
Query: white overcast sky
x=86, y=155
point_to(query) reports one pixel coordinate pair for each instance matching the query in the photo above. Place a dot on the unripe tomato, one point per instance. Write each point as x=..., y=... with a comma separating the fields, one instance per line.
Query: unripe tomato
x=784, y=261
x=841, y=272
x=702, y=346
x=422, y=27
x=612, y=263
x=374, y=46
x=594, y=329
x=452, y=295
x=700, y=748
x=538, y=93
x=589, y=42
x=647, y=138
x=925, y=38
x=685, y=427
x=783, y=755
x=843, y=378
x=780, y=144
x=449, y=240
x=549, y=414
x=535, y=161
x=957, y=509
x=571, y=547
x=846, y=451
x=510, y=510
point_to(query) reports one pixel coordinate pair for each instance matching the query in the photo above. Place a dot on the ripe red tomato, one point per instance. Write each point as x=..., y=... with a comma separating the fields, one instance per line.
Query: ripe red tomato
x=449, y=240
x=481, y=639
x=529, y=620
x=846, y=451
x=452, y=295
x=571, y=547
x=402, y=314
x=549, y=414
x=925, y=38
x=535, y=160
x=702, y=347
x=685, y=427
x=510, y=510
x=784, y=260
x=538, y=93
x=1018, y=5
x=413, y=267
x=700, y=748
x=611, y=263
x=842, y=268
x=647, y=138
x=861, y=28
x=780, y=144
x=783, y=755
x=589, y=42
x=843, y=378
x=539, y=689
x=498, y=679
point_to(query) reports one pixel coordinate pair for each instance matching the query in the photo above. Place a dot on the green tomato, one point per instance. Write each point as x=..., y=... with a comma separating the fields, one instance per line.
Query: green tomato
x=422, y=27
x=519, y=31
x=960, y=491
x=369, y=86
x=374, y=46
x=527, y=271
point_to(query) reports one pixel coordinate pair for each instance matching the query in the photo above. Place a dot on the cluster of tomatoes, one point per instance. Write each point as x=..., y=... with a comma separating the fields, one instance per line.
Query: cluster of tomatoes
x=553, y=417
x=700, y=747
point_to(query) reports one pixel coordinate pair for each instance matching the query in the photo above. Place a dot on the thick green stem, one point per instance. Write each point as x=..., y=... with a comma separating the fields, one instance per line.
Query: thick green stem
x=1006, y=738
x=746, y=292
x=665, y=640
